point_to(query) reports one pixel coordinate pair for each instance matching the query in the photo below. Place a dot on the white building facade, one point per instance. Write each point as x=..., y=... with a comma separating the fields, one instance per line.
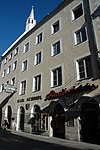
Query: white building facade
x=52, y=73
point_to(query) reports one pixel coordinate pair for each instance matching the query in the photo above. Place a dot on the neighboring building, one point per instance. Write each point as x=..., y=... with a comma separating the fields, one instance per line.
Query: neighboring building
x=50, y=74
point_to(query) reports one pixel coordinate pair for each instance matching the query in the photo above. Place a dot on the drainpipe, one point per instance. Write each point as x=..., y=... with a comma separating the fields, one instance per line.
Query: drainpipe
x=91, y=40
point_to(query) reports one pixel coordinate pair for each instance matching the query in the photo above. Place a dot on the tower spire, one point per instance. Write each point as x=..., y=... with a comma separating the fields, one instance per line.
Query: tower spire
x=31, y=22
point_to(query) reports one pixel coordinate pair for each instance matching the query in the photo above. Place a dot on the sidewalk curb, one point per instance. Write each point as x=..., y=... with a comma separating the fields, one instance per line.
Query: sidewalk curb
x=62, y=142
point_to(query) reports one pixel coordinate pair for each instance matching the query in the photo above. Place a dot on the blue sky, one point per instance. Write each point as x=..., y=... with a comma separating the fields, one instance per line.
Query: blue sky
x=13, y=15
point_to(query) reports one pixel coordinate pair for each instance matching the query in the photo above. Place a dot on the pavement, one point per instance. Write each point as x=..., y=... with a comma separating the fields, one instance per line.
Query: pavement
x=62, y=142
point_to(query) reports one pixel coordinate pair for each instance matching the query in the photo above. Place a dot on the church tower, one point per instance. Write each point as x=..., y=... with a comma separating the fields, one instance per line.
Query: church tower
x=31, y=22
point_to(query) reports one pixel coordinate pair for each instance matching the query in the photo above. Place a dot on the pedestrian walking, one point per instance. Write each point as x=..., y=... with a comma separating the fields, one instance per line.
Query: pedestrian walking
x=5, y=124
x=13, y=124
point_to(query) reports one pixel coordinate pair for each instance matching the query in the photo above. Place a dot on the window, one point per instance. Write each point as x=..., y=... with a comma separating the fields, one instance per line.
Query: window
x=56, y=77
x=56, y=48
x=2, y=88
x=37, y=83
x=3, y=73
x=84, y=69
x=26, y=47
x=16, y=51
x=14, y=65
x=9, y=70
x=5, y=61
x=24, y=65
x=10, y=56
x=55, y=27
x=39, y=38
x=70, y=122
x=7, y=83
x=77, y=12
x=22, y=88
x=44, y=121
x=80, y=36
x=13, y=81
x=38, y=58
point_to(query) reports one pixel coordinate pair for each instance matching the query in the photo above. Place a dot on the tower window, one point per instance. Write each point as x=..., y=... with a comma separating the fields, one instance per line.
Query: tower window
x=28, y=20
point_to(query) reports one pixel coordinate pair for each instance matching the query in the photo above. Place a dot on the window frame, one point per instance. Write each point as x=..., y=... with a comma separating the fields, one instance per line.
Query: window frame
x=16, y=51
x=55, y=25
x=56, y=75
x=9, y=70
x=44, y=122
x=38, y=58
x=1, y=88
x=56, y=51
x=25, y=47
x=80, y=36
x=14, y=65
x=5, y=61
x=4, y=73
x=13, y=81
x=70, y=122
x=75, y=9
x=24, y=65
x=39, y=38
x=37, y=80
x=10, y=56
x=86, y=69
x=22, y=90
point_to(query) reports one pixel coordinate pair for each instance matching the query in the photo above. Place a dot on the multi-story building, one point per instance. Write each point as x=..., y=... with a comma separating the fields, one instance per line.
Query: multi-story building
x=49, y=76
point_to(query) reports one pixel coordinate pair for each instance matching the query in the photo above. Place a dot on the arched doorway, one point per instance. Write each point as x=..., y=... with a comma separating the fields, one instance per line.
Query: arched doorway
x=90, y=128
x=22, y=117
x=58, y=121
x=9, y=115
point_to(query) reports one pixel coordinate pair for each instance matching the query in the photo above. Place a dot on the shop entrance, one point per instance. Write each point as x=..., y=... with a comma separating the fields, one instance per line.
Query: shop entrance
x=90, y=128
x=59, y=122
x=22, y=116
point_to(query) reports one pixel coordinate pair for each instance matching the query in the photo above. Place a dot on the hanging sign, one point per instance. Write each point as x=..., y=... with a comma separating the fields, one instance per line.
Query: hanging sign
x=8, y=88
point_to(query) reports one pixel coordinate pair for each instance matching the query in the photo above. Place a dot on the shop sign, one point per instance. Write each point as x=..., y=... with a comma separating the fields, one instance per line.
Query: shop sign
x=73, y=90
x=34, y=98
x=30, y=99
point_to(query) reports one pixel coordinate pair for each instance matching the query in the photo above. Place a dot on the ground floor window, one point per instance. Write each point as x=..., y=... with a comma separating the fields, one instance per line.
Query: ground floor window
x=44, y=121
x=70, y=122
x=37, y=122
